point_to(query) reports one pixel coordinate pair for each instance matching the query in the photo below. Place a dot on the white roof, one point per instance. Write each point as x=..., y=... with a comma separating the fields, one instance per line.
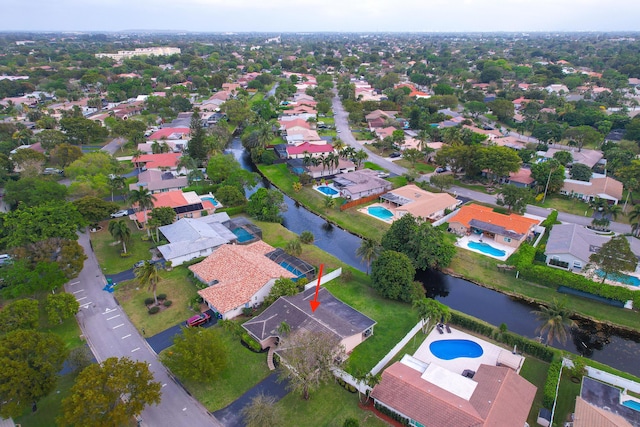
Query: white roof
x=450, y=381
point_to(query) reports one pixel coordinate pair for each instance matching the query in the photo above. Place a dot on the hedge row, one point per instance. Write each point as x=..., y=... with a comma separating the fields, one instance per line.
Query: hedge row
x=251, y=343
x=554, y=277
x=347, y=386
x=392, y=414
x=525, y=345
x=553, y=376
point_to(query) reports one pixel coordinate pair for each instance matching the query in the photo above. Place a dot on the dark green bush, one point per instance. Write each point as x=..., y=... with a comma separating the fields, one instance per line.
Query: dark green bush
x=162, y=297
x=149, y=301
x=394, y=415
x=167, y=303
x=234, y=210
x=250, y=342
x=549, y=392
x=154, y=309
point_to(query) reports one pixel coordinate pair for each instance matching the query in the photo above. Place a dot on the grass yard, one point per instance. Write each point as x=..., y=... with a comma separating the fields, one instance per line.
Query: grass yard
x=535, y=371
x=482, y=269
x=328, y=406
x=419, y=167
x=374, y=166
x=566, y=204
x=49, y=407
x=244, y=370
x=398, y=181
x=108, y=253
x=179, y=290
x=350, y=219
x=566, y=402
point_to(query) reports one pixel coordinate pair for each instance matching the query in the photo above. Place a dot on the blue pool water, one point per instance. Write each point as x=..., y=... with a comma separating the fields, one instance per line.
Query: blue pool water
x=453, y=349
x=380, y=212
x=243, y=235
x=622, y=278
x=632, y=404
x=298, y=171
x=292, y=269
x=213, y=201
x=327, y=190
x=486, y=248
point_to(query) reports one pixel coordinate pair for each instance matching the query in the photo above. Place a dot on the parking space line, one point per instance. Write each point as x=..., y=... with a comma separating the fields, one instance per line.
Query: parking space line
x=116, y=327
x=126, y=336
x=109, y=310
x=113, y=317
x=86, y=304
x=73, y=284
x=135, y=349
x=77, y=292
x=80, y=299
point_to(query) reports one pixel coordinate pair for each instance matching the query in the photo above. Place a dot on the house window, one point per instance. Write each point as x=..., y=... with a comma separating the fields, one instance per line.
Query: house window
x=577, y=264
x=507, y=239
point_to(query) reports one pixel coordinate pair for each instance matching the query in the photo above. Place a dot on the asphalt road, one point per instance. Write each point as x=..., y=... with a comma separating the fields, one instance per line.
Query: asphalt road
x=164, y=339
x=110, y=333
x=341, y=120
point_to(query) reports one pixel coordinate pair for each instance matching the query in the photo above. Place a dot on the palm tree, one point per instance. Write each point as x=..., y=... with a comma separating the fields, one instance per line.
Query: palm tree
x=329, y=202
x=556, y=321
x=116, y=183
x=284, y=328
x=360, y=157
x=144, y=199
x=348, y=152
x=422, y=137
x=338, y=144
x=187, y=162
x=135, y=156
x=430, y=310
x=368, y=251
x=147, y=275
x=120, y=231
x=612, y=210
x=634, y=219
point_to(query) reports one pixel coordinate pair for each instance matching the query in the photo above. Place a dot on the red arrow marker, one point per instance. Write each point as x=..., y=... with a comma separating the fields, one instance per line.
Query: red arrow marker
x=315, y=303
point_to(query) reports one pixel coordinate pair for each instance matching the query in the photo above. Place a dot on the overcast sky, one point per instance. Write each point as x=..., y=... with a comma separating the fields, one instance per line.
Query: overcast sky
x=321, y=15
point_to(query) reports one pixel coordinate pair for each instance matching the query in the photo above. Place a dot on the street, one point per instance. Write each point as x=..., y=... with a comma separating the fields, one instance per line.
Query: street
x=110, y=333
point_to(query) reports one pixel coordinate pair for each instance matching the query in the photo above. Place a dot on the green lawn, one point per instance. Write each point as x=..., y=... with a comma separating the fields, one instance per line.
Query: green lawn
x=178, y=288
x=327, y=132
x=419, y=167
x=244, y=370
x=108, y=253
x=535, y=371
x=398, y=181
x=50, y=406
x=566, y=402
x=566, y=204
x=374, y=166
x=329, y=406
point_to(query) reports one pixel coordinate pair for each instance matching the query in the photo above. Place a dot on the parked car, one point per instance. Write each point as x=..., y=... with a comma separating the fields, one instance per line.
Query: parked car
x=52, y=171
x=120, y=214
x=395, y=154
x=198, y=320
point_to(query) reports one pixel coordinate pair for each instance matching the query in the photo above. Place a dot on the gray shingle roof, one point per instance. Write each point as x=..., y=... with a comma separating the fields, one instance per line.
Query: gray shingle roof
x=574, y=239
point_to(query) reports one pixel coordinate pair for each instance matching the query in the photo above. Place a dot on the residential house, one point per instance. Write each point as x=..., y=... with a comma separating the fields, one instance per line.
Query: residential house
x=383, y=133
x=522, y=178
x=585, y=156
x=298, y=167
x=157, y=181
x=420, y=203
x=160, y=161
x=185, y=205
x=191, y=238
x=603, y=405
x=430, y=396
x=238, y=277
x=174, y=146
x=301, y=150
x=510, y=230
x=332, y=317
x=361, y=183
x=557, y=88
x=605, y=188
x=170, y=133
x=297, y=136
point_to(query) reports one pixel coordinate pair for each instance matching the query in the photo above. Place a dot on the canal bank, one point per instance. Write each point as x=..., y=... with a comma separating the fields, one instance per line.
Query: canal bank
x=615, y=347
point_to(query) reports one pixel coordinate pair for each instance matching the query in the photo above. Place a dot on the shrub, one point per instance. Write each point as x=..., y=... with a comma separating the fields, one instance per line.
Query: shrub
x=154, y=309
x=247, y=311
x=149, y=301
x=167, y=303
x=549, y=393
x=351, y=422
x=251, y=343
x=307, y=237
x=124, y=255
x=162, y=297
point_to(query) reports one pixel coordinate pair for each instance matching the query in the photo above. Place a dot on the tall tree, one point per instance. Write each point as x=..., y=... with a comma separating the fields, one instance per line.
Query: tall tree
x=30, y=363
x=60, y=307
x=368, y=251
x=582, y=135
x=198, y=354
x=431, y=311
x=308, y=359
x=556, y=321
x=94, y=209
x=197, y=148
x=144, y=200
x=262, y=412
x=441, y=181
x=116, y=182
x=614, y=257
x=266, y=205
x=148, y=275
x=96, y=398
x=120, y=230
x=499, y=161
x=392, y=276
x=19, y=314
x=514, y=198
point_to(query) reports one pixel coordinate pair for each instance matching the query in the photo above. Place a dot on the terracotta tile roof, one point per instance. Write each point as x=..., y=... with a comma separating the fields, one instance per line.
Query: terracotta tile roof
x=523, y=176
x=166, y=132
x=501, y=398
x=241, y=271
x=597, y=187
x=311, y=148
x=153, y=161
x=517, y=223
x=287, y=124
x=587, y=415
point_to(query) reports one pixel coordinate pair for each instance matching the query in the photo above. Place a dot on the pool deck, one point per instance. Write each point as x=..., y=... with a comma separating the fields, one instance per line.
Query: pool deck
x=489, y=356
x=365, y=211
x=463, y=243
x=333, y=196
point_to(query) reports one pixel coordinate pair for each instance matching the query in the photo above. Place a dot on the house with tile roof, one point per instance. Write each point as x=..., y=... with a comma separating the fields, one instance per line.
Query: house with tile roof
x=160, y=161
x=510, y=230
x=605, y=188
x=191, y=238
x=157, y=181
x=430, y=396
x=332, y=317
x=603, y=405
x=185, y=205
x=419, y=203
x=314, y=149
x=238, y=277
x=361, y=183
x=170, y=133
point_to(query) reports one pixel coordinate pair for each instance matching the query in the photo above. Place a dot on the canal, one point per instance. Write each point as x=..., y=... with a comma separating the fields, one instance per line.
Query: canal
x=594, y=341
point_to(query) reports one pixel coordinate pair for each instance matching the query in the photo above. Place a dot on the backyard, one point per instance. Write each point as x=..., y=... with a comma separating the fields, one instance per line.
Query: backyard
x=108, y=251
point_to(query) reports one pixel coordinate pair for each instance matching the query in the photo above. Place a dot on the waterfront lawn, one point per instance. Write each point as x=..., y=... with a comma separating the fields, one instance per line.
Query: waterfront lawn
x=395, y=319
x=482, y=269
x=350, y=219
x=108, y=253
x=179, y=290
x=535, y=371
x=244, y=370
x=328, y=406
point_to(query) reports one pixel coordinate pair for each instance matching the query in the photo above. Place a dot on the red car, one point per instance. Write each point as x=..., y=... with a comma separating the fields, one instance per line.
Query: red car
x=198, y=320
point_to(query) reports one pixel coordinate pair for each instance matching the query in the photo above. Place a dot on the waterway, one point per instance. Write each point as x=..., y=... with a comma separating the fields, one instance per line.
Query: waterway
x=595, y=341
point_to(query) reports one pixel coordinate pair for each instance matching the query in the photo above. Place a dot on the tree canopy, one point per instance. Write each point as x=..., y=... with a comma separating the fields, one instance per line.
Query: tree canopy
x=392, y=275
x=198, y=354
x=32, y=191
x=266, y=205
x=514, y=198
x=615, y=257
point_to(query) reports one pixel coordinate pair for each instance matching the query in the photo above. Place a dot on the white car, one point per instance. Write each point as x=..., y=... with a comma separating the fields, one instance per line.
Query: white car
x=120, y=214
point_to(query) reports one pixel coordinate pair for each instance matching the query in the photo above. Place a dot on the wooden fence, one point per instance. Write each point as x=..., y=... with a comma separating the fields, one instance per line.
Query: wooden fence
x=359, y=202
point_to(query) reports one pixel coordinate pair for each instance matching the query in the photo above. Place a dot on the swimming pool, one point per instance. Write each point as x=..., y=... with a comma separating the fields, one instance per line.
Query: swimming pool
x=324, y=189
x=243, y=235
x=213, y=201
x=292, y=269
x=486, y=248
x=632, y=404
x=619, y=277
x=380, y=212
x=453, y=349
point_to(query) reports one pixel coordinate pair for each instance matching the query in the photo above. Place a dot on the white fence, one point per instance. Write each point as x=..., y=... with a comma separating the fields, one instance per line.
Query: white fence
x=608, y=378
x=396, y=349
x=325, y=278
